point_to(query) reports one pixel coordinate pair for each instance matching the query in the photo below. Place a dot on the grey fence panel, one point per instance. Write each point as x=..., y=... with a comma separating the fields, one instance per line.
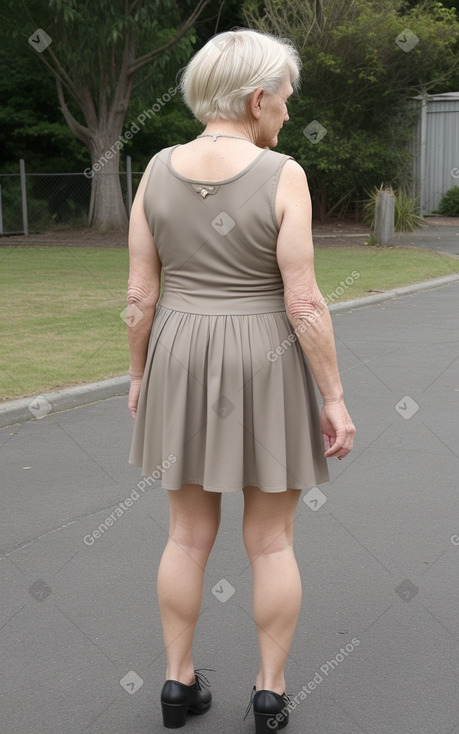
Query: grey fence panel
x=57, y=199
x=53, y=200
x=436, y=148
x=11, y=203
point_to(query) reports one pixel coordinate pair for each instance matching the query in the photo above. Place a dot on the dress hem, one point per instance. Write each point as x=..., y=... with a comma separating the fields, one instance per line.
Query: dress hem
x=209, y=488
x=266, y=490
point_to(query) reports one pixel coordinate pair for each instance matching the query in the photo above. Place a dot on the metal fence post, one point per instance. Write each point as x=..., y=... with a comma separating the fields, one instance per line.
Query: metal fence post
x=129, y=183
x=423, y=156
x=25, y=222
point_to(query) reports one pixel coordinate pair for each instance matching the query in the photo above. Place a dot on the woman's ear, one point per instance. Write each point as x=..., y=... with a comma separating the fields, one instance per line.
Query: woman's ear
x=255, y=102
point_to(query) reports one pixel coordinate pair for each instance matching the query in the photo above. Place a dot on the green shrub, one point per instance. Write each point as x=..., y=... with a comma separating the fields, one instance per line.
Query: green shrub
x=406, y=216
x=406, y=208
x=449, y=203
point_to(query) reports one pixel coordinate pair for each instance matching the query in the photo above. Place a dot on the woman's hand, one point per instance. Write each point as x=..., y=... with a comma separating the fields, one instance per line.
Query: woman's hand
x=337, y=429
x=134, y=391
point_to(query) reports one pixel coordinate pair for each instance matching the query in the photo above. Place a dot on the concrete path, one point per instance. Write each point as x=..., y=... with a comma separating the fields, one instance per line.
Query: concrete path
x=440, y=234
x=437, y=236
x=377, y=644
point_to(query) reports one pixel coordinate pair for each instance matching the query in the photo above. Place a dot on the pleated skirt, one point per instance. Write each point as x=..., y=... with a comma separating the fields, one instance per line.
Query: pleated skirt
x=227, y=402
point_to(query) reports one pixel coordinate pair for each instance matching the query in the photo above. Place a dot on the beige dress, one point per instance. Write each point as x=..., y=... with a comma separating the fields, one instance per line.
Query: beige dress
x=227, y=398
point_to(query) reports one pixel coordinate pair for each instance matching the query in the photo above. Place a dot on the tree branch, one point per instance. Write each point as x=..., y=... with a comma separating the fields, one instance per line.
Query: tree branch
x=80, y=131
x=218, y=16
x=132, y=7
x=143, y=60
x=123, y=90
x=59, y=72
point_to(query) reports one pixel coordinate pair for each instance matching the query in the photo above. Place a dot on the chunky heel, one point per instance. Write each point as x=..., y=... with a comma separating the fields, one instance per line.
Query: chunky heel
x=179, y=700
x=174, y=714
x=271, y=711
x=265, y=724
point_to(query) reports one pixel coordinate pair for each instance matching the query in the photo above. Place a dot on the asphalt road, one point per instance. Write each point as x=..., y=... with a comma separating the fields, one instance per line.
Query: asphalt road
x=377, y=645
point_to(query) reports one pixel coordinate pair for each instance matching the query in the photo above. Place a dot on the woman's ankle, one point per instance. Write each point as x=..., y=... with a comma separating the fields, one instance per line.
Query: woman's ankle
x=183, y=675
x=266, y=682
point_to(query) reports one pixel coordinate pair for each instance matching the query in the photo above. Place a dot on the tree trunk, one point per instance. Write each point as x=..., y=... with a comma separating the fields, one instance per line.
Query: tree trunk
x=102, y=137
x=107, y=210
x=319, y=202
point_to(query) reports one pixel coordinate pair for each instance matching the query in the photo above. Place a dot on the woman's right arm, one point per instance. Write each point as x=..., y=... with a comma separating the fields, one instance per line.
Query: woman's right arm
x=306, y=308
x=143, y=290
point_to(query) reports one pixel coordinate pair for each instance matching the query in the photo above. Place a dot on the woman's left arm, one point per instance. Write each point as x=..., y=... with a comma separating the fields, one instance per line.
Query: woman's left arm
x=143, y=291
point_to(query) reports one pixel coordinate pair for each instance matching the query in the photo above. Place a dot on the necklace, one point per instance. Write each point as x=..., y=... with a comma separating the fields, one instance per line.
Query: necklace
x=221, y=135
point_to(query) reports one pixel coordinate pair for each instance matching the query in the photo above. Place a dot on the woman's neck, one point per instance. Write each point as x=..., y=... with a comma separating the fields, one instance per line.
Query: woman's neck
x=229, y=128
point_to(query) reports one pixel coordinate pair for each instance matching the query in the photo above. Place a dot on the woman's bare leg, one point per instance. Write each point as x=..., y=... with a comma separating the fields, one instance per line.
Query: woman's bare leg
x=268, y=537
x=194, y=522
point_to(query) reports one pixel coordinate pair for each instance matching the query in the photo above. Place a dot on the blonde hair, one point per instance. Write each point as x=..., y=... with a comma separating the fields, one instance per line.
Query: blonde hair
x=219, y=79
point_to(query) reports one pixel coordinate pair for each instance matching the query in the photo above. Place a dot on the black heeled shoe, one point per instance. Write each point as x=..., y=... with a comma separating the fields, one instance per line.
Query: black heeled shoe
x=178, y=700
x=271, y=711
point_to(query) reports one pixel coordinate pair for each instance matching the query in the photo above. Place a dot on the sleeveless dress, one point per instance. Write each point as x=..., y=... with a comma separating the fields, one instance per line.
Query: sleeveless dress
x=227, y=397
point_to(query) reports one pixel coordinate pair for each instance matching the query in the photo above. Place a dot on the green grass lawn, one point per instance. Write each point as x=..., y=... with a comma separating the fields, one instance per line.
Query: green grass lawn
x=379, y=268
x=62, y=306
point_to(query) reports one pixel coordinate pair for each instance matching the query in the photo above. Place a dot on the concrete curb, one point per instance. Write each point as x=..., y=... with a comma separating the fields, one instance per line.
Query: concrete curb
x=36, y=408
x=339, y=236
x=388, y=295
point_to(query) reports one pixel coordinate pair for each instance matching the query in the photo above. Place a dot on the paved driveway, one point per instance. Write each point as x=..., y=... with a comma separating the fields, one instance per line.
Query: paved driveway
x=377, y=645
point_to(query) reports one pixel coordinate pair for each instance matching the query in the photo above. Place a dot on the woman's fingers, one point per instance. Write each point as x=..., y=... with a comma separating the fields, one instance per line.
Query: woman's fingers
x=133, y=399
x=338, y=430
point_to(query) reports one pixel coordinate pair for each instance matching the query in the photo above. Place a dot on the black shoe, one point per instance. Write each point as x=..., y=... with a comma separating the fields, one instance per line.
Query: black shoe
x=178, y=700
x=271, y=711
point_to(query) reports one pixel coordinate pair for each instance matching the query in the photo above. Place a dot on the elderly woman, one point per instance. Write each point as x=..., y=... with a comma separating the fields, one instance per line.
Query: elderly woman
x=223, y=364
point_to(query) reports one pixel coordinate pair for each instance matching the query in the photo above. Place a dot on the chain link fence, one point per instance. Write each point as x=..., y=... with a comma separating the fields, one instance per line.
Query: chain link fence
x=38, y=202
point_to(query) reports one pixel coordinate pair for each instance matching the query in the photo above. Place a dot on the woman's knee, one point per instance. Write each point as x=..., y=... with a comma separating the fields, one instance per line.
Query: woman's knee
x=269, y=522
x=259, y=544
x=194, y=518
x=199, y=535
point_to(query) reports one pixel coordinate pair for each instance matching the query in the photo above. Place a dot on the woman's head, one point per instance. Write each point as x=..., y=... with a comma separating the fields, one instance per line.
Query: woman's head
x=220, y=79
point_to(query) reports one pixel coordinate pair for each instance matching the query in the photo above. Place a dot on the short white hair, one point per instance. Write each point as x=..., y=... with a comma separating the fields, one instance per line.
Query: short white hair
x=219, y=79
